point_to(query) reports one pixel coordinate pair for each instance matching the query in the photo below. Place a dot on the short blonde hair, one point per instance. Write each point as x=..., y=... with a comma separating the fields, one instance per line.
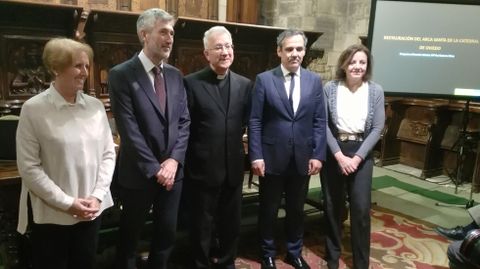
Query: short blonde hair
x=58, y=53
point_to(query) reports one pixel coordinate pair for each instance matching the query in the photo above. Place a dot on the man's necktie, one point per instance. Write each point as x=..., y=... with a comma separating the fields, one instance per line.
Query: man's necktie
x=159, y=85
x=292, y=86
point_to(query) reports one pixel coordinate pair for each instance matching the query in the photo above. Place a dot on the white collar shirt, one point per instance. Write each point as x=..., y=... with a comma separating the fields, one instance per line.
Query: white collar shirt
x=296, y=89
x=64, y=151
x=148, y=66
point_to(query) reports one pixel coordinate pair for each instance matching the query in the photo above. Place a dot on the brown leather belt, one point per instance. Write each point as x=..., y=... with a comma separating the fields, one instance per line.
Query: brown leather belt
x=350, y=137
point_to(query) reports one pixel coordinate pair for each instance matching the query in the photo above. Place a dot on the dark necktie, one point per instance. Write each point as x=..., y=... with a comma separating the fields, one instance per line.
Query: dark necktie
x=159, y=85
x=292, y=86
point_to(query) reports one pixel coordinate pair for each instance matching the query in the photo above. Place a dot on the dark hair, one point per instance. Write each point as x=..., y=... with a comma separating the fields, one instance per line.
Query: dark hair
x=346, y=57
x=289, y=33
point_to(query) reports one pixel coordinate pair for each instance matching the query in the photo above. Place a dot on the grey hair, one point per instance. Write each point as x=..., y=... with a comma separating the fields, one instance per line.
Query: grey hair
x=289, y=33
x=214, y=30
x=147, y=20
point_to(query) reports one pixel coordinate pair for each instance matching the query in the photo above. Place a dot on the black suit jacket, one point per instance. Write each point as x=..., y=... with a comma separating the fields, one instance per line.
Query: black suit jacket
x=147, y=136
x=215, y=150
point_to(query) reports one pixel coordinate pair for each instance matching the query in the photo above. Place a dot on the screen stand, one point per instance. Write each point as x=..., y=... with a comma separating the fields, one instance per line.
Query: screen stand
x=465, y=144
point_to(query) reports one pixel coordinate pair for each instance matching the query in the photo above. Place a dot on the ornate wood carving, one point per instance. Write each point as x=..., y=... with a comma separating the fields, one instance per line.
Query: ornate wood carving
x=26, y=75
x=24, y=30
x=420, y=133
x=108, y=55
x=113, y=38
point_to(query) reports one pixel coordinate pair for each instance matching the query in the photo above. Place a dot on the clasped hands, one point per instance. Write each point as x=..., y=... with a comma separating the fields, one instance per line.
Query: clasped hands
x=166, y=175
x=84, y=208
x=348, y=165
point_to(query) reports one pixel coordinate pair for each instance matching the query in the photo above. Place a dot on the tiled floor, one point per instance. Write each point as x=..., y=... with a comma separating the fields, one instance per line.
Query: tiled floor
x=419, y=206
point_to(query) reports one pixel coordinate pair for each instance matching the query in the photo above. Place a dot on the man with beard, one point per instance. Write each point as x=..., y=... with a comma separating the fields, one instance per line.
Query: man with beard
x=150, y=108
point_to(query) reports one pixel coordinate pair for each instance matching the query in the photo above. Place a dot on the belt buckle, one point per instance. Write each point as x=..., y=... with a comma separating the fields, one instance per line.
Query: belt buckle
x=350, y=137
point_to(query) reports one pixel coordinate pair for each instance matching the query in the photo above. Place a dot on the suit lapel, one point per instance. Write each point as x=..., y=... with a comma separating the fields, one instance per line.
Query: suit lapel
x=170, y=85
x=279, y=82
x=146, y=85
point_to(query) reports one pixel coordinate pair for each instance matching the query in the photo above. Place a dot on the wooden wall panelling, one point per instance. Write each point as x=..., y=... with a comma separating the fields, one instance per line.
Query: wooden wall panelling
x=114, y=40
x=204, y=9
x=146, y=4
x=420, y=133
x=24, y=30
x=124, y=5
x=244, y=11
x=388, y=147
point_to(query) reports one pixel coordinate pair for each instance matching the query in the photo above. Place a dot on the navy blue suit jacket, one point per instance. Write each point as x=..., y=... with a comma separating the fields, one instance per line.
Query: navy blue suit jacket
x=276, y=134
x=147, y=136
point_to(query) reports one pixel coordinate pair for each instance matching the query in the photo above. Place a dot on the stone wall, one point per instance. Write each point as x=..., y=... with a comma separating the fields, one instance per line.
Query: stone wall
x=341, y=21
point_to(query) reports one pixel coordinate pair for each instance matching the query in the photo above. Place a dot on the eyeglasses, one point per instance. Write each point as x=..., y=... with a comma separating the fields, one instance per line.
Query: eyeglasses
x=220, y=47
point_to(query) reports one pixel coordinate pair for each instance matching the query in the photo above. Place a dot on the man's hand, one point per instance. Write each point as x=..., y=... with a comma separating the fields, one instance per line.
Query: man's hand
x=258, y=168
x=314, y=167
x=167, y=172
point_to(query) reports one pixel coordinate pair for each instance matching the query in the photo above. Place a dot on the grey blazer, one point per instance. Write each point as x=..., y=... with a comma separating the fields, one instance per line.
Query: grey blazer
x=373, y=125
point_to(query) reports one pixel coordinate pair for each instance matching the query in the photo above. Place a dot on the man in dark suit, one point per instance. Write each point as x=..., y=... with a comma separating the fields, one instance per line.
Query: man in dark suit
x=150, y=108
x=287, y=144
x=218, y=100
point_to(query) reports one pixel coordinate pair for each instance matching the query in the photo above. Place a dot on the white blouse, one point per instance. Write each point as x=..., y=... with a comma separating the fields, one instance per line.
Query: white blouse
x=352, y=109
x=64, y=151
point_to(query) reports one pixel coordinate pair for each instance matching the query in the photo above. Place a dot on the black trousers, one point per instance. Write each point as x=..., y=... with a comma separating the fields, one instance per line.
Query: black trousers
x=271, y=190
x=136, y=205
x=357, y=187
x=215, y=215
x=65, y=246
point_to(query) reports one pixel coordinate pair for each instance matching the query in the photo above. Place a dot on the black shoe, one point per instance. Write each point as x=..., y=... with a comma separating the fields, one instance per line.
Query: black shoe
x=457, y=233
x=297, y=263
x=268, y=263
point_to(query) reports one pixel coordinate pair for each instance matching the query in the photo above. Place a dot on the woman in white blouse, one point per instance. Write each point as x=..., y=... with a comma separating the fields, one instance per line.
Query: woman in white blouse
x=66, y=158
x=356, y=116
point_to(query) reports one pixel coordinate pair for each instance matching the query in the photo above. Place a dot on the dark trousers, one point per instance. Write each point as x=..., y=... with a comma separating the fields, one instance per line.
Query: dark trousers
x=271, y=190
x=136, y=205
x=65, y=246
x=215, y=214
x=358, y=190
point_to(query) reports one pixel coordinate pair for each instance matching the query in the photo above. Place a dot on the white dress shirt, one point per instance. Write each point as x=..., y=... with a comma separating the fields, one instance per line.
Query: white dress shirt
x=296, y=89
x=64, y=151
x=148, y=65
